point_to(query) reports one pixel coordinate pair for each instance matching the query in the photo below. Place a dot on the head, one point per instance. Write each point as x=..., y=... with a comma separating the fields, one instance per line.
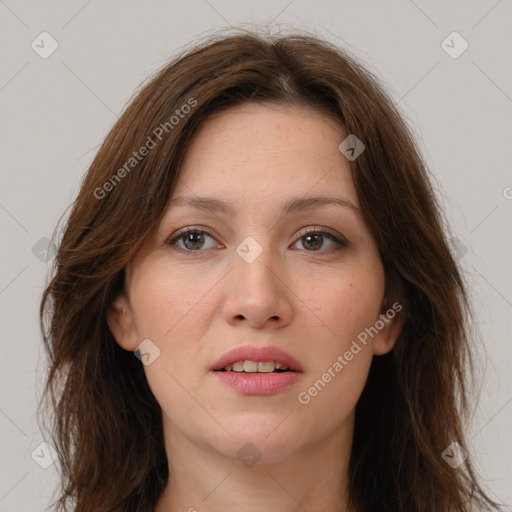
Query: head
x=262, y=126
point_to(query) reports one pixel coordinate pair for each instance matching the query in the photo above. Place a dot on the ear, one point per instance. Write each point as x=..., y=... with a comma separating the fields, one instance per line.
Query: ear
x=389, y=325
x=121, y=323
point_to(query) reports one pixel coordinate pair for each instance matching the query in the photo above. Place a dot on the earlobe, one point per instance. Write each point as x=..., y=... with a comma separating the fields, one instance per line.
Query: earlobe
x=392, y=321
x=121, y=323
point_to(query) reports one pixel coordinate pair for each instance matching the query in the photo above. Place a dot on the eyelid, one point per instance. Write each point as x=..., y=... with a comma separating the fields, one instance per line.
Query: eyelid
x=322, y=229
x=186, y=229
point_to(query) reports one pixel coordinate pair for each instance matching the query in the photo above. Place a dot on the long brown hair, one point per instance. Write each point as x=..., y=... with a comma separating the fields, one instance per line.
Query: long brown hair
x=105, y=422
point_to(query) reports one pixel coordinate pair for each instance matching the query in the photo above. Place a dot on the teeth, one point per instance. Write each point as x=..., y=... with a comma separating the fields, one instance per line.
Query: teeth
x=255, y=366
x=238, y=367
x=250, y=366
x=265, y=367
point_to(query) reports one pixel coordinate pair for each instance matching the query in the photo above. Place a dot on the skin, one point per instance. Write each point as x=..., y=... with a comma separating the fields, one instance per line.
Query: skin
x=309, y=297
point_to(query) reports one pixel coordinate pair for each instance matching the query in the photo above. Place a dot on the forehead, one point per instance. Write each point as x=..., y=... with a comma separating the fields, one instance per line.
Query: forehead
x=264, y=151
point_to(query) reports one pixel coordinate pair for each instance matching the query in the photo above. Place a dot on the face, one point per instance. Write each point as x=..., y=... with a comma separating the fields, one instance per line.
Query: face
x=307, y=280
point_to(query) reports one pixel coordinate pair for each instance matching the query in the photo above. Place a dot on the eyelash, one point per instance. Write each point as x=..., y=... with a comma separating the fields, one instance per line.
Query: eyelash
x=315, y=230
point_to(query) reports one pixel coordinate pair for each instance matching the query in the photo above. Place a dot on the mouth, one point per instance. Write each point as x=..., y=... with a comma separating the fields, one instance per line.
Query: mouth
x=257, y=370
x=257, y=359
x=248, y=366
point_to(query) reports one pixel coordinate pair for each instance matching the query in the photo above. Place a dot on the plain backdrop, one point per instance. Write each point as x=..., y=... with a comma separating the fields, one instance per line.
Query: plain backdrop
x=55, y=111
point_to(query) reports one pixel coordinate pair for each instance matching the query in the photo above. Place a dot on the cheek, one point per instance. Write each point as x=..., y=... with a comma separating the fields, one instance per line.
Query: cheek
x=166, y=307
x=342, y=354
x=344, y=304
x=171, y=309
x=333, y=393
x=166, y=302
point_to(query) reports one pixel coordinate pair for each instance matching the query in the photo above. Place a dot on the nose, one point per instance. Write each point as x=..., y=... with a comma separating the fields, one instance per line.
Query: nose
x=257, y=291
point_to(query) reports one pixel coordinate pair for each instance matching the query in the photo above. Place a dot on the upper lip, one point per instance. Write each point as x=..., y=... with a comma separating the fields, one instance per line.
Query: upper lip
x=257, y=353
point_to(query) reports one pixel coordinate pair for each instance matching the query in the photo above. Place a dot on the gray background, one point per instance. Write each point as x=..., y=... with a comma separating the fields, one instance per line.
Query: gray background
x=55, y=112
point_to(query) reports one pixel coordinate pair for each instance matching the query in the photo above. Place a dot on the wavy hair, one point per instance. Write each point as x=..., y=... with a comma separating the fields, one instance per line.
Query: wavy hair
x=415, y=400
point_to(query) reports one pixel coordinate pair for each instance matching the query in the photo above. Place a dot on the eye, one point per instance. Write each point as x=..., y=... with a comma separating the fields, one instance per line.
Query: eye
x=314, y=239
x=192, y=238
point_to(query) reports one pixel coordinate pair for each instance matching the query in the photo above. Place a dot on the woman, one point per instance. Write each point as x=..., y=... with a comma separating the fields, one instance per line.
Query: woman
x=254, y=305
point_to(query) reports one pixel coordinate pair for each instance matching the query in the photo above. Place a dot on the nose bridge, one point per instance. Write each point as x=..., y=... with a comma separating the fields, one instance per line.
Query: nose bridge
x=253, y=261
x=255, y=290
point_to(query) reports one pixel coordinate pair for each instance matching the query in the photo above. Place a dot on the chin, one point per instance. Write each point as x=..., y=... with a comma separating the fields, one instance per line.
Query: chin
x=266, y=437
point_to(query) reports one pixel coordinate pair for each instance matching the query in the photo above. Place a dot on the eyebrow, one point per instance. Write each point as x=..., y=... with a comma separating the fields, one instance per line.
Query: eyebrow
x=291, y=206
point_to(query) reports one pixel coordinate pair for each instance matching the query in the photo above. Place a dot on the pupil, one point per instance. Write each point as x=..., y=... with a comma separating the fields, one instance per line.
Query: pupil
x=190, y=238
x=318, y=237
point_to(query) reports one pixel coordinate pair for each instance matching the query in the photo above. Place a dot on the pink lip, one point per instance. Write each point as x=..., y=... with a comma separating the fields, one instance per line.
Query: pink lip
x=253, y=353
x=257, y=383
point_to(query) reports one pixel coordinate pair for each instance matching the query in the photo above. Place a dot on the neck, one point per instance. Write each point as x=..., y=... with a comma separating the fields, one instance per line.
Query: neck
x=309, y=480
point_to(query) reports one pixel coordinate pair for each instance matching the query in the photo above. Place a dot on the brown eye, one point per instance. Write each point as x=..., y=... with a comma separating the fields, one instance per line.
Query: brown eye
x=193, y=240
x=313, y=240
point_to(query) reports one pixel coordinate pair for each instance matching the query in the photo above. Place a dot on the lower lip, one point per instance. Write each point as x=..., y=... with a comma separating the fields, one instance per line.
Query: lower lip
x=258, y=383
